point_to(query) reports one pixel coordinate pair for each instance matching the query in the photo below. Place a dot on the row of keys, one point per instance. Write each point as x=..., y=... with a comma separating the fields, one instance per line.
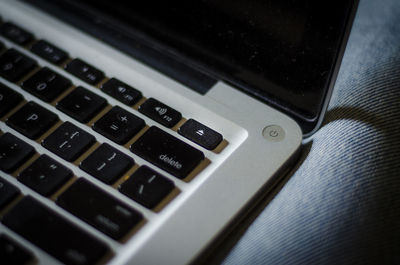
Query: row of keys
x=69, y=142
x=105, y=163
x=82, y=104
x=119, y=125
x=37, y=223
x=45, y=175
x=100, y=210
x=105, y=213
x=29, y=217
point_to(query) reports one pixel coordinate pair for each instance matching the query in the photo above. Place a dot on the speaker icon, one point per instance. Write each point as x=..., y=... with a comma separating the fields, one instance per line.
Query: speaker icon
x=161, y=111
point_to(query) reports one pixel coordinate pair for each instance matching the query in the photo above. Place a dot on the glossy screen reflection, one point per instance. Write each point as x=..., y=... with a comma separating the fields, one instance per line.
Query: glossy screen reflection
x=281, y=52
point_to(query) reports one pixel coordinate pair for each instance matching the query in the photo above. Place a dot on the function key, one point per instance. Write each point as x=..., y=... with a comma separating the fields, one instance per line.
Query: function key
x=49, y=52
x=160, y=112
x=107, y=163
x=68, y=141
x=200, y=134
x=13, y=253
x=32, y=120
x=99, y=209
x=14, y=65
x=167, y=152
x=13, y=152
x=82, y=104
x=8, y=99
x=147, y=187
x=119, y=125
x=15, y=33
x=84, y=71
x=45, y=175
x=121, y=91
x=46, y=84
x=7, y=193
x=54, y=234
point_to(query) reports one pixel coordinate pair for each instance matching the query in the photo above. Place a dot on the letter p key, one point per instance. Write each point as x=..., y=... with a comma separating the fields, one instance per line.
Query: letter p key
x=32, y=117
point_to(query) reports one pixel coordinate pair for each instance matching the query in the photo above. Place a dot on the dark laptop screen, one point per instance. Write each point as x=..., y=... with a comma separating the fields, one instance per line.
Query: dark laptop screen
x=282, y=52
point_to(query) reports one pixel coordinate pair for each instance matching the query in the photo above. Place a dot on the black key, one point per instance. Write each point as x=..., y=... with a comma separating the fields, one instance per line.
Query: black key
x=160, y=112
x=84, y=71
x=54, y=234
x=13, y=152
x=82, y=104
x=107, y=163
x=13, y=253
x=45, y=175
x=147, y=187
x=49, y=52
x=121, y=91
x=8, y=99
x=68, y=141
x=32, y=120
x=200, y=134
x=1, y=46
x=14, y=65
x=7, y=193
x=167, y=152
x=46, y=84
x=119, y=125
x=109, y=215
x=15, y=33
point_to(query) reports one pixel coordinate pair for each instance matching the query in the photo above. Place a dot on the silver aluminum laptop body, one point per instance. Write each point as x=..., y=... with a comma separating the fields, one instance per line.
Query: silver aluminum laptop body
x=260, y=143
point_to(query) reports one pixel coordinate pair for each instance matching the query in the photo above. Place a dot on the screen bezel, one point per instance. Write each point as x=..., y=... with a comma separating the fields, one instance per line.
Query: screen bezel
x=94, y=22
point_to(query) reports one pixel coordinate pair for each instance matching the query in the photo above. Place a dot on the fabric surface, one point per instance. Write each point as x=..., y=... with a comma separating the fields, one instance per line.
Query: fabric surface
x=342, y=203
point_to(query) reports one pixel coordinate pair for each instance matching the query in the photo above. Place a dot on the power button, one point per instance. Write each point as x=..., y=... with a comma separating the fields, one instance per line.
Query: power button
x=273, y=133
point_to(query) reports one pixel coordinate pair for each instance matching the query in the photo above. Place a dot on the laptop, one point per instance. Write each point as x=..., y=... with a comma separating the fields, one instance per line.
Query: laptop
x=141, y=133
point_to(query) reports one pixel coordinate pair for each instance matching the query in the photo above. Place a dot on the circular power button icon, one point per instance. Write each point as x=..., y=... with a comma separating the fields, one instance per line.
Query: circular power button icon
x=273, y=133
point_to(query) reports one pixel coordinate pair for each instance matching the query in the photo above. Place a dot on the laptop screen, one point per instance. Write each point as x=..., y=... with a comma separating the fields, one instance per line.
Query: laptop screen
x=280, y=52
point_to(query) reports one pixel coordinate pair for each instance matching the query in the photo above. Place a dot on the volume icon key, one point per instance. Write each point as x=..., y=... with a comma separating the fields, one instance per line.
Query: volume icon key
x=161, y=111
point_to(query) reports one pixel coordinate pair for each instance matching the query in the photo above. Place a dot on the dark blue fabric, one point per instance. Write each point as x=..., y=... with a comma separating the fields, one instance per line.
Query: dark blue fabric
x=342, y=203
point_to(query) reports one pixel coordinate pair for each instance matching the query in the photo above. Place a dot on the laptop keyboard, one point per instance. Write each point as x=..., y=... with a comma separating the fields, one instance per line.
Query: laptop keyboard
x=78, y=146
